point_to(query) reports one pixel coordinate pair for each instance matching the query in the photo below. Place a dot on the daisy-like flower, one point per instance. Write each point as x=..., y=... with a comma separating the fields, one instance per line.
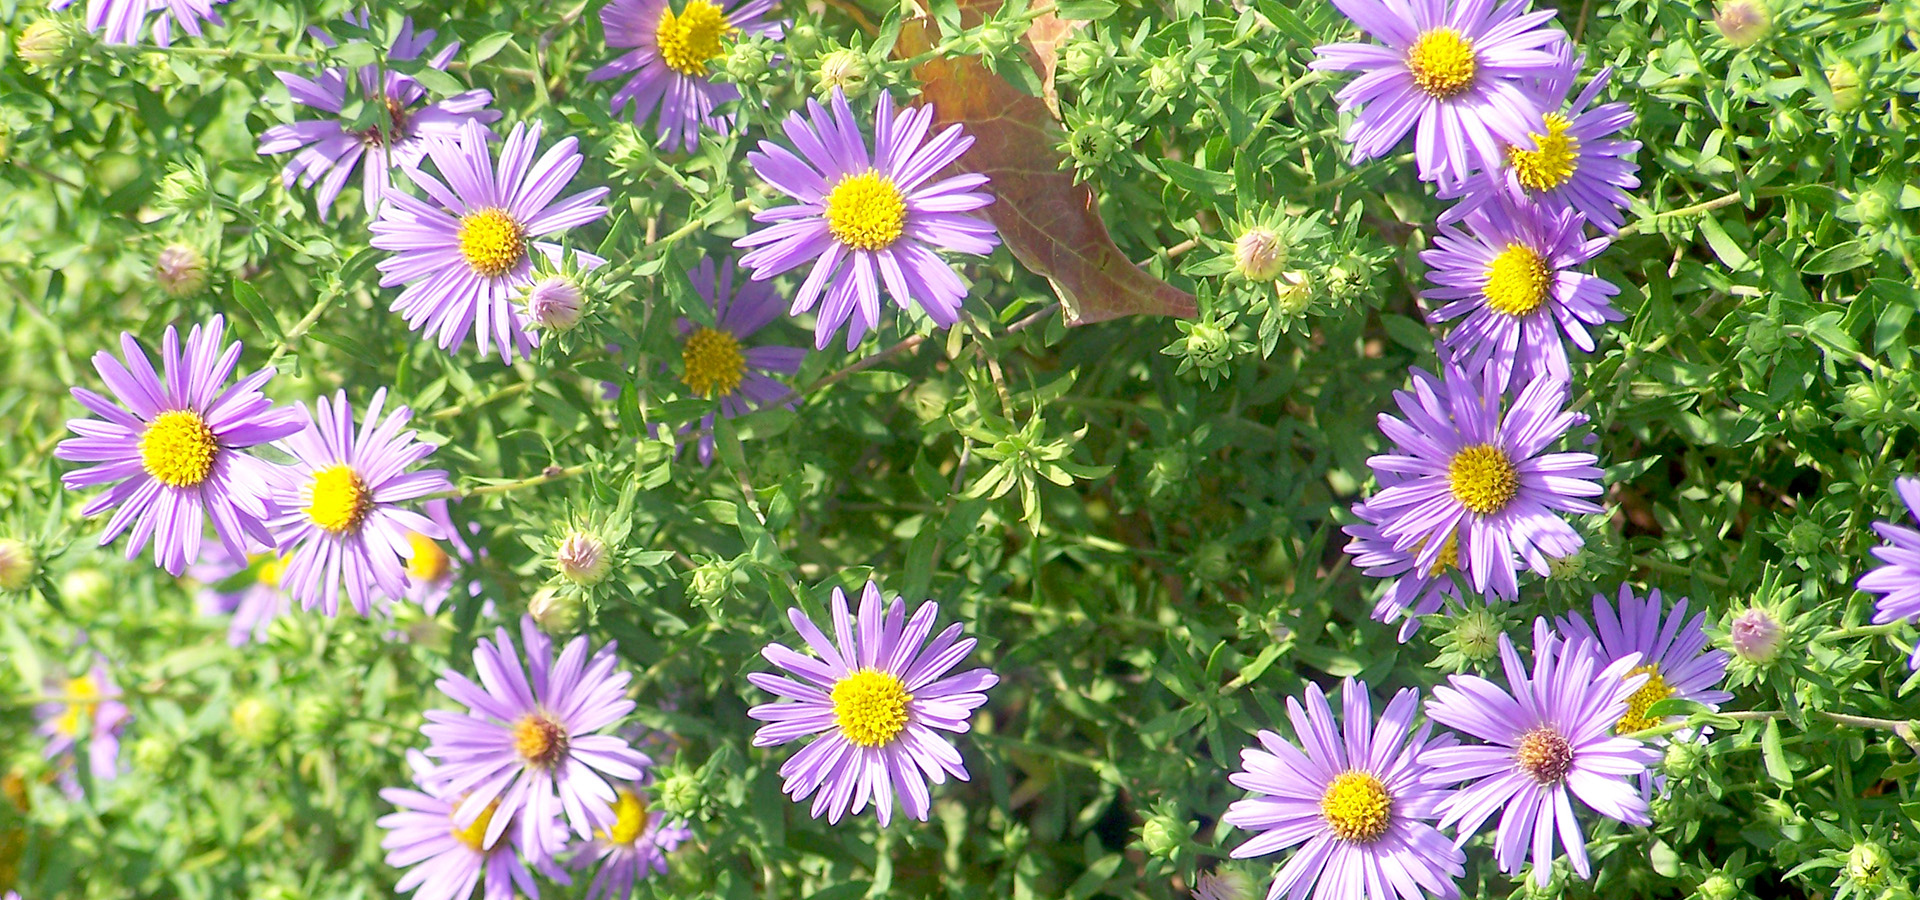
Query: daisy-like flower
x=449, y=859
x=1551, y=740
x=253, y=603
x=341, y=522
x=866, y=219
x=631, y=850
x=1412, y=590
x=1461, y=467
x=119, y=21
x=1673, y=652
x=1897, y=580
x=1355, y=797
x=329, y=151
x=466, y=259
x=530, y=739
x=1510, y=277
x=1454, y=72
x=85, y=705
x=671, y=55
x=172, y=453
x=432, y=572
x=716, y=363
x=878, y=694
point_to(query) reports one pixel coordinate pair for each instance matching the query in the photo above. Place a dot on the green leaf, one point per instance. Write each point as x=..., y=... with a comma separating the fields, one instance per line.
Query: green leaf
x=1773, y=755
x=1839, y=258
x=257, y=310
x=484, y=48
x=438, y=82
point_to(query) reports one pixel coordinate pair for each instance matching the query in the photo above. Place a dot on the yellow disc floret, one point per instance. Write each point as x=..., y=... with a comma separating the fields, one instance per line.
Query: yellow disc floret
x=714, y=362
x=871, y=707
x=340, y=500
x=1555, y=157
x=1357, y=807
x=492, y=241
x=1545, y=754
x=270, y=570
x=81, y=694
x=629, y=818
x=429, y=563
x=473, y=835
x=1449, y=557
x=1655, y=690
x=1442, y=63
x=177, y=448
x=1483, y=479
x=691, y=40
x=1518, y=281
x=866, y=211
x=539, y=740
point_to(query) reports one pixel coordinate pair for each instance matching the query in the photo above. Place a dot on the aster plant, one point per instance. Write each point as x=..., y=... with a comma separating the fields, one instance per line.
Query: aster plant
x=715, y=362
x=1412, y=590
x=633, y=849
x=447, y=859
x=246, y=590
x=667, y=70
x=874, y=696
x=119, y=21
x=868, y=218
x=1897, y=579
x=84, y=706
x=171, y=446
x=1352, y=794
x=1672, y=652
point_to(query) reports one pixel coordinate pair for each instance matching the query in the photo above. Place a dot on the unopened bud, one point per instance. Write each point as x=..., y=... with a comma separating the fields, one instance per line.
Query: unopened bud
x=554, y=302
x=17, y=564
x=47, y=44
x=88, y=588
x=152, y=753
x=1294, y=293
x=315, y=714
x=710, y=581
x=180, y=270
x=1208, y=345
x=1476, y=634
x=555, y=612
x=1743, y=22
x=1755, y=636
x=1718, y=887
x=1224, y=883
x=583, y=559
x=1163, y=834
x=1872, y=208
x=1259, y=254
x=1683, y=758
x=748, y=62
x=1843, y=79
x=1867, y=865
x=254, y=720
x=845, y=69
x=679, y=794
x=184, y=188
x=1168, y=77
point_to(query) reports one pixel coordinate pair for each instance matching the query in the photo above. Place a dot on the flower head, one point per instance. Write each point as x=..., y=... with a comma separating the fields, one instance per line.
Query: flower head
x=1897, y=580
x=1755, y=635
x=865, y=219
x=253, y=601
x=1743, y=22
x=1413, y=590
x=434, y=570
x=329, y=150
x=1548, y=741
x=447, y=858
x=554, y=302
x=84, y=706
x=1454, y=72
x=633, y=849
x=716, y=363
x=341, y=520
x=875, y=696
x=180, y=270
x=18, y=564
x=1355, y=793
x=119, y=21
x=1671, y=648
x=671, y=60
x=467, y=257
x=171, y=446
x=583, y=558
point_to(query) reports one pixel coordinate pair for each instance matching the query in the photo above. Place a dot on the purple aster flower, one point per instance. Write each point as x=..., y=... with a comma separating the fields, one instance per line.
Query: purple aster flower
x=83, y=706
x=1897, y=580
x=877, y=693
x=867, y=219
x=715, y=363
x=172, y=453
x=631, y=850
x=1673, y=652
x=253, y=601
x=465, y=258
x=1550, y=740
x=1356, y=797
x=432, y=572
x=340, y=521
x=448, y=858
x=119, y=21
x=1413, y=590
x=530, y=739
x=1510, y=274
x=1460, y=467
x=1455, y=72
x=329, y=151
x=670, y=59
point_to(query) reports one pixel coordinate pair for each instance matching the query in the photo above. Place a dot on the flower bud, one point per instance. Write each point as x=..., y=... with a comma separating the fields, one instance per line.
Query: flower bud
x=995, y=39
x=583, y=559
x=709, y=582
x=315, y=714
x=1764, y=336
x=1867, y=865
x=1476, y=634
x=679, y=794
x=748, y=62
x=180, y=270
x=48, y=44
x=556, y=613
x=184, y=188
x=1084, y=59
x=1872, y=208
x=1683, y=758
x=631, y=149
x=1718, y=887
x=1208, y=345
x=152, y=753
x=255, y=721
x=1806, y=538
x=1755, y=636
x=553, y=303
x=1092, y=143
x=1293, y=294
x=1843, y=79
x=1168, y=77
x=1259, y=254
x=1224, y=883
x=1743, y=22
x=88, y=588
x=17, y=564
x=1163, y=834
x=845, y=69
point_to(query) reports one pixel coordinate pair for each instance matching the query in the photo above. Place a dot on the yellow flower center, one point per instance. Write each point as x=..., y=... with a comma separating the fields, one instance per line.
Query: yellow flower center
x=1449, y=557
x=340, y=499
x=629, y=818
x=81, y=693
x=492, y=242
x=1357, y=807
x=177, y=448
x=714, y=363
x=539, y=740
x=870, y=707
x=866, y=211
x=1545, y=754
x=1555, y=157
x=1655, y=690
x=691, y=39
x=429, y=562
x=1483, y=479
x=474, y=834
x=271, y=567
x=1442, y=63
x=1517, y=281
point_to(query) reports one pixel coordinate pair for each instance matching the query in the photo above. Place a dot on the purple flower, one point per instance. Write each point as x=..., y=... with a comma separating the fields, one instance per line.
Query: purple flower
x=715, y=363
x=1549, y=741
x=432, y=572
x=119, y=21
x=329, y=151
x=254, y=603
x=631, y=850
x=867, y=219
x=450, y=858
x=670, y=59
x=530, y=739
x=1672, y=651
x=1413, y=590
x=1511, y=275
x=340, y=521
x=86, y=705
x=172, y=454
x=877, y=694
x=1454, y=72
x=1356, y=798
x=466, y=261
x=1465, y=475
x=1897, y=580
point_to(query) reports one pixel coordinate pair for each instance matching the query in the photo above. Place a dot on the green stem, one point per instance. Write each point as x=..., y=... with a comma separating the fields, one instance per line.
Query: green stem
x=301, y=327
x=214, y=52
x=1854, y=631
x=551, y=474
x=1648, y=562
x=488, y=400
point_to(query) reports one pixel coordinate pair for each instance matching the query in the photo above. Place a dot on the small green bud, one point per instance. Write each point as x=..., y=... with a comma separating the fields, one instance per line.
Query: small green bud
x=632, y=150
x=255, y=721
x=749, y=61
x=1743, y=22
x=1843, y=79
x=1476, y=634
x=315, y=714
x=1168, y=78
x=995, y=39
x=556, y=613
x=583, y=558
x=1571, y=566
x=17, y=564
x=1092, y=143
x=554, y=303
x=1169, y=468
x=1779, y=813
x=1259, y=254
x=1208, y=345
x=184, y=188
x=1718, y=887
x=180, y=270
x=1867, y=865
x=1084, y=59
x=1806, y=538
x=87, y=587
x=1683, y=758
x=1872, y=208
x=680, y=794
x=152, y=753
x=1212, y=562
x=709, y=582
x=1293, y=292
x=1016, y=839
x=845, y=69
x=1866, y=399
x=1163, y=834
x=49, y=44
